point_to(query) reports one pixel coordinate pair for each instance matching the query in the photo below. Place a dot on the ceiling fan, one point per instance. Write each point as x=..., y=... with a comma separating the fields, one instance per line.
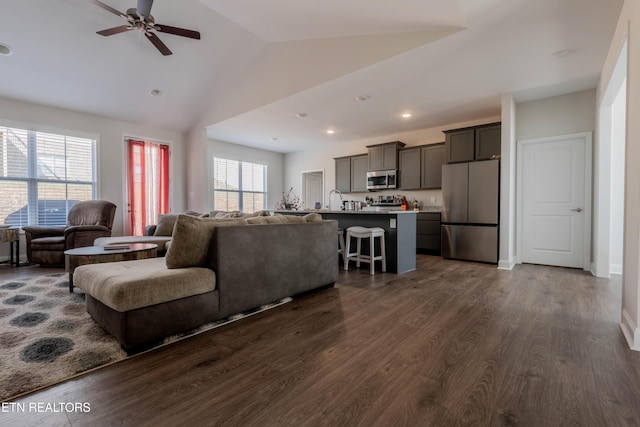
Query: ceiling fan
x=140, y=19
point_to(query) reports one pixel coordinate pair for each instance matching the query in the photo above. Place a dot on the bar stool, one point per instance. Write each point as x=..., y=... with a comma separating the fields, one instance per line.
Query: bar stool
x=360, y=233
x=341, y=246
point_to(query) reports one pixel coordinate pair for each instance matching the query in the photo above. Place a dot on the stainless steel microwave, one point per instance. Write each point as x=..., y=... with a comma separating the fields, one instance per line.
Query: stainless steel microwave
x=380, y=180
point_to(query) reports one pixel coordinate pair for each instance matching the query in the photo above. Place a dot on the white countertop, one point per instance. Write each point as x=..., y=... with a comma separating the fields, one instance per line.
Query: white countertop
x=360, y=212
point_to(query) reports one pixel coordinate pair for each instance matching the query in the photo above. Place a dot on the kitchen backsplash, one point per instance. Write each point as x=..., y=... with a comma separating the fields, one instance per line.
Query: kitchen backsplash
x=425, y=198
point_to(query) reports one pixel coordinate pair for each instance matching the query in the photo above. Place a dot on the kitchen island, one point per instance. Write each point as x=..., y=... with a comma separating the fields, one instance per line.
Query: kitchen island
x=399, y=227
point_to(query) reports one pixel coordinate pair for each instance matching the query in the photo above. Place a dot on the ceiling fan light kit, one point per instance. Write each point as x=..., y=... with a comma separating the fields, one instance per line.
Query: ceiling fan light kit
x=140, y=19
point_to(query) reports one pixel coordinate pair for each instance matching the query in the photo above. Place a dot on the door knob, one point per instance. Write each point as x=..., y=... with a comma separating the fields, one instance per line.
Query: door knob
x=577, y=210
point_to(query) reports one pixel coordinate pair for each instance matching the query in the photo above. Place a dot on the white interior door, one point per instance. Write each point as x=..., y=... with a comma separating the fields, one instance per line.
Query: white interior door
x=313, y=188
x=554, y=193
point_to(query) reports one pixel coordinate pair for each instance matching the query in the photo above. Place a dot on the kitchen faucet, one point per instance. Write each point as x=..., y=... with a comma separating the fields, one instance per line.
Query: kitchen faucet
x=331, y=199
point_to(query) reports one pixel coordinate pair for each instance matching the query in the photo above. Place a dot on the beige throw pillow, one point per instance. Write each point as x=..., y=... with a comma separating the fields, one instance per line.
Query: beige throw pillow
x=257, y=220
x=313, y=217
x=191, y=239
x=284, y=219
x=165, y=224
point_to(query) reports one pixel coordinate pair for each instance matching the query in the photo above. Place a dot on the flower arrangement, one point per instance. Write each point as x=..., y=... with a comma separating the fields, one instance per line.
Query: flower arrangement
x=289, y=202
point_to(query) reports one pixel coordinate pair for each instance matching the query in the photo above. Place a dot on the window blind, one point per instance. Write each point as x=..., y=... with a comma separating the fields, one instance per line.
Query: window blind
x=42, y=175
x=239, y=185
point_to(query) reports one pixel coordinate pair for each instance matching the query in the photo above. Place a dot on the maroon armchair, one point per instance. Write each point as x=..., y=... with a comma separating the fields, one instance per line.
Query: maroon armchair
x=86, y=222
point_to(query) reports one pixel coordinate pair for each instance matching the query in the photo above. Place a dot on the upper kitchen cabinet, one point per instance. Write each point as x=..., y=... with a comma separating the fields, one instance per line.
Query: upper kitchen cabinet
x=432, y=159
x=359, y=173
x=460, y=145
x=409, y=168
x=384, y=156
x=473, y=143
x=343, y=174
x=351, y=173
x=488, y=141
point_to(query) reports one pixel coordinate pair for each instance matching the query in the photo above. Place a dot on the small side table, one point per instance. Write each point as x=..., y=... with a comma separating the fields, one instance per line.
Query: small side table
x=98, y=254
x=11, y=235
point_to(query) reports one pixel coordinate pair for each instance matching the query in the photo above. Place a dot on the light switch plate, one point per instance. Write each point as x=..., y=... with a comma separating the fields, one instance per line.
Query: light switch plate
x=392, y=223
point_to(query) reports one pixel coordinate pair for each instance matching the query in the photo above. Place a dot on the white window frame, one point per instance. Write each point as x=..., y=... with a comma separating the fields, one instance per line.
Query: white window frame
x=32, y=178
x=240, y=191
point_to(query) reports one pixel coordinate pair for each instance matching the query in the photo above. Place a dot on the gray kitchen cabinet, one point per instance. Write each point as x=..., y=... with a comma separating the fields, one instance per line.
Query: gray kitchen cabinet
x=409, y=168
x=428, y=233
x=433, y=157
x=488, y=140
x=460, y=145
x=384, y=156
x=343, y=174
x=359, y=166
x=473, y=143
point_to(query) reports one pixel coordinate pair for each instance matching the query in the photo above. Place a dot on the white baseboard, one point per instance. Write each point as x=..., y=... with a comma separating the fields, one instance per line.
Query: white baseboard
x=630, y=331
x=615, y=269
x=506, y=264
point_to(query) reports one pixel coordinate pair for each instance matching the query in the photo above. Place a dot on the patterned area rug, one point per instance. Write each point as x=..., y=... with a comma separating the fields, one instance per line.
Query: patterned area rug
x=47, y=336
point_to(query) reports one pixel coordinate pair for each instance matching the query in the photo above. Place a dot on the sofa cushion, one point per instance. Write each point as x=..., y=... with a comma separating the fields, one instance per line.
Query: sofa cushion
x=191, y=239
x=285, y=219
x=313, y=217
x=257, y=220
x=165, y=224
x=224, y=214
x=128, y=285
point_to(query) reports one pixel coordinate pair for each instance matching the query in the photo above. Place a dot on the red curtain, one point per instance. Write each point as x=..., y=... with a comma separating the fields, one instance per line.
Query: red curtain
x=148, y=183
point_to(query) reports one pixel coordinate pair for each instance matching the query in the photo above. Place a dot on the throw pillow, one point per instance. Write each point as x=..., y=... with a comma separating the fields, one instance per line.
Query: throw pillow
x=255, y=214
x=191, y=239
x=165, y=224
x=194, y=213
x=257, y=220
x=284, y=219
x=224, y=214
x=313, y=217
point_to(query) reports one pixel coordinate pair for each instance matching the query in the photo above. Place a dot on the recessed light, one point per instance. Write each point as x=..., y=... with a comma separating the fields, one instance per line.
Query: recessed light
x=5, y=50
x=301, y=115
x=361, y=98
x=407, y=115
x=155, y=92
x=331, y=131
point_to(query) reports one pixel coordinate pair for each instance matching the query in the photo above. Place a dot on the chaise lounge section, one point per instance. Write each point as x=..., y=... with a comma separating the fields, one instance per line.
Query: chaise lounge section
x=244, y=266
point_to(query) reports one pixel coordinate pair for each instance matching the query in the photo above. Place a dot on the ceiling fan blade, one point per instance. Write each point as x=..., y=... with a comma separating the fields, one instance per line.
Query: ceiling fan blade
x=115, y=30
x=177, y=31
x=158, y=43
x=144, y=8
x=109, y=8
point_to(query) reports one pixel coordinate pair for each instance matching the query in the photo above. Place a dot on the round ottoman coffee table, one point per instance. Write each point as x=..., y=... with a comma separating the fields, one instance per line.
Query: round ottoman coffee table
x=74, y=258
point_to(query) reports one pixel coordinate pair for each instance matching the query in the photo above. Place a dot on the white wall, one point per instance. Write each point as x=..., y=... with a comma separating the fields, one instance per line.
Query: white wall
x=273, y=160
x=628, y=31
x=322, y=158
x=508, y=185
x=558, y=115
x=111, y=153
x=617, y=180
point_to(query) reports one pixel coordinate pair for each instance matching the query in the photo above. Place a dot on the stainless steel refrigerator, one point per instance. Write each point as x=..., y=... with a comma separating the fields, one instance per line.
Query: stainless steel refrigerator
x=470, y=210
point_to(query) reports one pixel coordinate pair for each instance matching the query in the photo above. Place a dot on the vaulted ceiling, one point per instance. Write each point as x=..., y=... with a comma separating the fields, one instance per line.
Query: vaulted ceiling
x=260, y=63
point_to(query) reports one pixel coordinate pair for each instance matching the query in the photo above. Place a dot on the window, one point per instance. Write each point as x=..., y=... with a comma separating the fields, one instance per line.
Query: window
x=148, y=183
x=240, y=186
x=42, y=175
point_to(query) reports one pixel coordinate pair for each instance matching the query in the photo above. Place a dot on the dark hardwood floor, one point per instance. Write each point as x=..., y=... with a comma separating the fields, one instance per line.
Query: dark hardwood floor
x=452, y=343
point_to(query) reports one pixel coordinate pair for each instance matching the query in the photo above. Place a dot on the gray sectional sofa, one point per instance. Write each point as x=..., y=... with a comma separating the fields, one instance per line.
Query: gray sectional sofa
x=213, y=269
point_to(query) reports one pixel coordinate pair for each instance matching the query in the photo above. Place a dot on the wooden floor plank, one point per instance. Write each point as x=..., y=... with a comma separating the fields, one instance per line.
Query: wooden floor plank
x=451, y=343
